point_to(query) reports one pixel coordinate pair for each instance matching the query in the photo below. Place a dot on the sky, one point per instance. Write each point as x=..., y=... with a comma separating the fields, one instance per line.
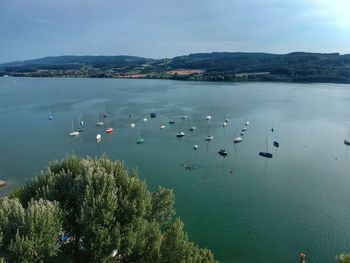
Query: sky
x=162, y=28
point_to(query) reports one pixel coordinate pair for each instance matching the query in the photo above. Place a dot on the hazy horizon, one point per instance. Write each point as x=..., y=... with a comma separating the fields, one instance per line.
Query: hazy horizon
x=165, y=29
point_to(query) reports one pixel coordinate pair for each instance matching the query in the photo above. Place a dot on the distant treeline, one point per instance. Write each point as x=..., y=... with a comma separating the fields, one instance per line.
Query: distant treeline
x=217, y=66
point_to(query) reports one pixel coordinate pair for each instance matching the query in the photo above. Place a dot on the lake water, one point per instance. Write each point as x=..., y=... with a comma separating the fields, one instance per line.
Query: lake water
x=265, y=211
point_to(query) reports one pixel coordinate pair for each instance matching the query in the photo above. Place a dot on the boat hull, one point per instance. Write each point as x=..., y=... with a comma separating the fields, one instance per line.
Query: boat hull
x=266, y=155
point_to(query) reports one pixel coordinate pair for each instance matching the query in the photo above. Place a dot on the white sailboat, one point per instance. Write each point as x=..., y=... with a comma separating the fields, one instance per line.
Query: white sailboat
x=99, y=123
x=192, y=128
x=209, y=137
x=98, y=137
x=237, y=139
x=73, y=133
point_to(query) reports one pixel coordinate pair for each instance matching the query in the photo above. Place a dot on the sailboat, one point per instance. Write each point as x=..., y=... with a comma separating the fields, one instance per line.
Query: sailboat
x=99, y=123
x=192, y=128
x=139, y=139
x=161, y=126
x=109, y=130
x=98, y=137
x=81, y=127
x=144, y=119
x=73, y=133
x=180, y=134
x=266, y=154
x=237, y=139
x=105, y=114
x=347, y=141
x=51, y=117
x=209, y=137
x=195, y=147
x=225, y=122
x=208, y=117
x=222, y=152
x=132, y=124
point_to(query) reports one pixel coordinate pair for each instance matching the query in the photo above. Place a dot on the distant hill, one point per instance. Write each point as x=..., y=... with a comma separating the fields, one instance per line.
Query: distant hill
x=216, y=66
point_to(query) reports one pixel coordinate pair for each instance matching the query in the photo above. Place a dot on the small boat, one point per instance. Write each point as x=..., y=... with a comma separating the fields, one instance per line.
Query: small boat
x=347, y=141
x=99, y=123
x=153, y=115
x=222, y=152
x=105, y=114
x=139, y=139
x=244, y=128
x=192, y=128
x=109, y=130
x=144, y=119
x=237, y=139
x=276, y=144
x=180, y=134
x=208, y=118
x=51, y=117
x=224, y=124
x=171, y=122
x=247, y=123
x=266, y=154
x=195, y=147
x=272, y=129
x=242, y=133
x=73, y=133
x=98, y=137
x=132, y=125
x=81, y=127
x=209, y=138
x=162, y=126
x=302, y=258
x=184, y=117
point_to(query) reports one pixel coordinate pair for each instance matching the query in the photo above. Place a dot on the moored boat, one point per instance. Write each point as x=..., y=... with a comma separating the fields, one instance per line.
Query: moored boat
x=222, y=152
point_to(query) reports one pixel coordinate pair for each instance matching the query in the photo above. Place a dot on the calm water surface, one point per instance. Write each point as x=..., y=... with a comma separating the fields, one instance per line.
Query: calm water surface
x=263, y=211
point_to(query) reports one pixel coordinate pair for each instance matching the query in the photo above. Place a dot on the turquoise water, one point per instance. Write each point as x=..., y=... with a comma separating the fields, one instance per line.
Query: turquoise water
x=266, y=210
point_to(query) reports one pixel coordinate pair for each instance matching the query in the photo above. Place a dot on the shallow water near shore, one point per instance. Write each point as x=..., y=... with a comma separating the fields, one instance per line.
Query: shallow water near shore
x=265, y=210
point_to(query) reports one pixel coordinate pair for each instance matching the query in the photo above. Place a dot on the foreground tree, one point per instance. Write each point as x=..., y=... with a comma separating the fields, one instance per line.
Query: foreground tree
x=109, y=215
x=343, y=258
x=31, y=234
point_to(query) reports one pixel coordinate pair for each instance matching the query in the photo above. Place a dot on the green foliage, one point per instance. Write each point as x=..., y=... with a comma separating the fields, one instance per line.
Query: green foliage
x=343, y=258
x=217, y=66
x=109, y=214
x=30, y=234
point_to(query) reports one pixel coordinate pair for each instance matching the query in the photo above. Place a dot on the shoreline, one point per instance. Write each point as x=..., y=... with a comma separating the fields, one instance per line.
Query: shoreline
x=181, y=79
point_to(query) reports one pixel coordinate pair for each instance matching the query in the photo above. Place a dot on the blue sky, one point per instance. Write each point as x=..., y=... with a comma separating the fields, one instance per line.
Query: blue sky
x=163, y=28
